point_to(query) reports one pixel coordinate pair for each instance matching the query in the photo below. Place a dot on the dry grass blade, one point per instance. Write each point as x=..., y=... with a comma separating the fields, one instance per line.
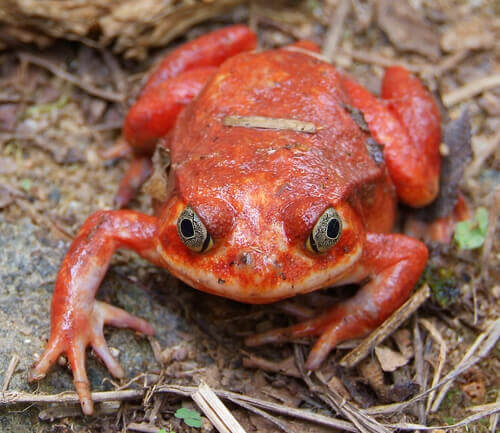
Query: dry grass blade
x=436, y=336
x=10, y=371
x=419, y=368
x=363, y=421
x=471, y=89
x=387, y=328
x=486, y=341
x=89, y=88
x=261, y=413
x=270, y=123
x=495, y=408
x=494, y=420
x=215, y=410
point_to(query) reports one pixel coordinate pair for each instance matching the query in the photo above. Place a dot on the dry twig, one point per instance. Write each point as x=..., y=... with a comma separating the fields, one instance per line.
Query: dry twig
x=77, y=81
x=471, y=89
x=387, y=328
x=334, y=33
x=270, y=123
x=436, y=336
x=10, y=371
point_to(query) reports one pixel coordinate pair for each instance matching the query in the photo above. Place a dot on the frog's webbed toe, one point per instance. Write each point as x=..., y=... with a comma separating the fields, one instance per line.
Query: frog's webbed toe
x=72, y=338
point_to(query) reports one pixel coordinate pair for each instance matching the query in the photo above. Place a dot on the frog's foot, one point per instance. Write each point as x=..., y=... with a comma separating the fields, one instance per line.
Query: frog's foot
x=393, y=263
x=73, y=337
x=137, y=173
x=119, y=149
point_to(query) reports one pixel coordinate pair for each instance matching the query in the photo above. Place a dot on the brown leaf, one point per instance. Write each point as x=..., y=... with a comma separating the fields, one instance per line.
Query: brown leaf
x=407, y=29
x=389, y=359
x=457, y=138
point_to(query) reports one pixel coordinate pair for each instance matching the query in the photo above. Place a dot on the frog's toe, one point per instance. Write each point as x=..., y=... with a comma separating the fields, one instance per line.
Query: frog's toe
x=53, y=350
x=102, y=350
x=76, y=358
x=106, y=314
x=282, y=335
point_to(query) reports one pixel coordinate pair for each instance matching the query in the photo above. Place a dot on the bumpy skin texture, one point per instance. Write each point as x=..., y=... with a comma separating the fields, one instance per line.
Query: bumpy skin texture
x=260, y=192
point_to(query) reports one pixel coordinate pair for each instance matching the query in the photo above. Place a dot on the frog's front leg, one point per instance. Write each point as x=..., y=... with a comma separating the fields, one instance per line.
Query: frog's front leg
x=393, y=264
x=77, y=319
x=174, y=83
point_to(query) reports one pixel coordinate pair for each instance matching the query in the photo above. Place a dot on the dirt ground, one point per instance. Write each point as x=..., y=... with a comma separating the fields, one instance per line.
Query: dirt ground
x=64, y=91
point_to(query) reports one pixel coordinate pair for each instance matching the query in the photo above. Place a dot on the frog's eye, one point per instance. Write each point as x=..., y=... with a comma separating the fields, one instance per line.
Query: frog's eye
x=325, y=232
x=193, y=232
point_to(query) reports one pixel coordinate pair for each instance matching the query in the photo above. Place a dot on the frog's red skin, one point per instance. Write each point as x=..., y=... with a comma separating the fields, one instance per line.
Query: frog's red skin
x=259, y=193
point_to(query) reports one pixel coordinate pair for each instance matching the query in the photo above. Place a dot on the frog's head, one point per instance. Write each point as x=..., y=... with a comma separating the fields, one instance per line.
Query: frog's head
x=255, y=249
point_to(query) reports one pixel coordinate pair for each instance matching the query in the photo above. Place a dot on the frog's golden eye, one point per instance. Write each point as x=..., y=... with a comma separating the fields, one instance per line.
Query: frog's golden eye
x=193, y=232
x=326, y=232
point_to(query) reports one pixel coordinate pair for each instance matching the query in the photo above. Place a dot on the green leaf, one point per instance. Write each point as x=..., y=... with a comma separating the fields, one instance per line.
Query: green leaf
x=190, y=417
x=26, y=184
x=471, y=234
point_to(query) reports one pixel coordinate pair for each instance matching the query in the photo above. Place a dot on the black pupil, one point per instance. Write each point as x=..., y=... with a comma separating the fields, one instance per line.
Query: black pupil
x=187, y=228
x=333, y=228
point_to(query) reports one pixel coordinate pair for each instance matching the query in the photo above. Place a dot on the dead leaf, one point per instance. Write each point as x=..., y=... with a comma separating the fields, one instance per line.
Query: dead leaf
x=156, y=186
x=407, y=29
x=403, y=340
x=471, y=33
x=389, y=359
x=457, y=138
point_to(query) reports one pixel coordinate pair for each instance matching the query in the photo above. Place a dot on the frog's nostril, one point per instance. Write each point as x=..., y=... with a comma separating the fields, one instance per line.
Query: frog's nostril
x=245, y=259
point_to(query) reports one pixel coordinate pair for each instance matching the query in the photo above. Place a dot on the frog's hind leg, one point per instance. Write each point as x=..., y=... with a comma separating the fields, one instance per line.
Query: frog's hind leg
x=392, y=263
x=407, y=123
x=173, y=84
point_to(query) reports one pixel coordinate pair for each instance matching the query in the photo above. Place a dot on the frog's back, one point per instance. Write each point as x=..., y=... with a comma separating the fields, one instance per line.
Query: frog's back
x=212, y=159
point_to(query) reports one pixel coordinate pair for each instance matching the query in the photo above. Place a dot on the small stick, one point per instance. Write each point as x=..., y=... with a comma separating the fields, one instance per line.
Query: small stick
x=334, y=32
x=419, y=368
x=215, y=410
x=494, y=419
x=438, y=338
x=387, y=328
x=145, y=428
x=471, y=89
x=10, y=371
x=77, y=81
x=14, y=397
x=270, y=123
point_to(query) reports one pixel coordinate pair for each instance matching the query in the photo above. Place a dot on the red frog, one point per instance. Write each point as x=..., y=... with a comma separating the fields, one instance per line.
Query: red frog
x=259, y=214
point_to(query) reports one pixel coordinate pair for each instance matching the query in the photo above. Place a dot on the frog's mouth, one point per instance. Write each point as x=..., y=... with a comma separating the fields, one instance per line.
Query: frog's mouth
x=262, y=272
